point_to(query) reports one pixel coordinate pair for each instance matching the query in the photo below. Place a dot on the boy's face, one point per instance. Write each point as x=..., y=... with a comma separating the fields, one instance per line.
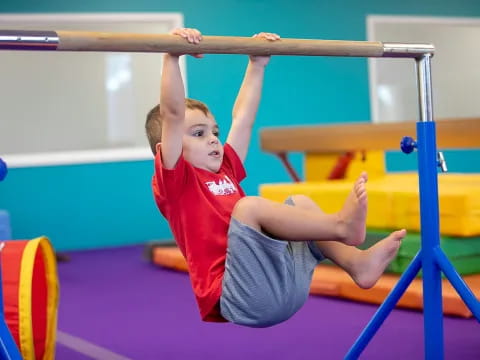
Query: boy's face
x=201, y=146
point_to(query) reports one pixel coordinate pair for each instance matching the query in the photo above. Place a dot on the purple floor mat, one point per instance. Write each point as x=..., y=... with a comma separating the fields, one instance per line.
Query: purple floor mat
x=63, y=352
x=116, y=300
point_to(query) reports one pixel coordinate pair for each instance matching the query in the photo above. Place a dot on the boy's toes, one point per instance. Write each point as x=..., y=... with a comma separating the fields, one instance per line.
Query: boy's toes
x=400, y=234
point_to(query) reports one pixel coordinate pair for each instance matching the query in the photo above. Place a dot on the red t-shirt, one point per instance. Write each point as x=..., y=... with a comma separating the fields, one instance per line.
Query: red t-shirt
x=198, y=205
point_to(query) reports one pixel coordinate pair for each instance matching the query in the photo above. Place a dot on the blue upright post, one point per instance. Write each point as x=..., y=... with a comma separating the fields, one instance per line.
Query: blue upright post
x=432, y=281
x=430, y=258
x=429, y=214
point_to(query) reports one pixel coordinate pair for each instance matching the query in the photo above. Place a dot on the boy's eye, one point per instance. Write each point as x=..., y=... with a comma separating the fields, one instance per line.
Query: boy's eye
x=198, y=133
x=216, y=133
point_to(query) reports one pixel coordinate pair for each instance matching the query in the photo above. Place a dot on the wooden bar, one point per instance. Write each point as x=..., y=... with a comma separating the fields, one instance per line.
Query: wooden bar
x=90, y=41
x=133, y=42
x=451, y=134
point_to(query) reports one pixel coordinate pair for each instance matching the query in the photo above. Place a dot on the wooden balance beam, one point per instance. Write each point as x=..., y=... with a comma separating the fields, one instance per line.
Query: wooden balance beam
x=341, y=141
x=452, y=133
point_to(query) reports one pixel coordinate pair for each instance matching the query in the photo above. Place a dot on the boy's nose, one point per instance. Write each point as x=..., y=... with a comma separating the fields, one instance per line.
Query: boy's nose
x=213, y=140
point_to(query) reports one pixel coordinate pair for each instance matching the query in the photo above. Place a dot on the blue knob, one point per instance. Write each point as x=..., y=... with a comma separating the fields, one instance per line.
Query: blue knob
x=3, y=169
x=408, y=144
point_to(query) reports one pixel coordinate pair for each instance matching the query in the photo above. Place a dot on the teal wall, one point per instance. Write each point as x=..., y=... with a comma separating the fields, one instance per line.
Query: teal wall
x=86, y=206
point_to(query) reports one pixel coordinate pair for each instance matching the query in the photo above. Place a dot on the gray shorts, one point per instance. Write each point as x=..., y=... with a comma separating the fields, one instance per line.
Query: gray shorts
x=266, y=280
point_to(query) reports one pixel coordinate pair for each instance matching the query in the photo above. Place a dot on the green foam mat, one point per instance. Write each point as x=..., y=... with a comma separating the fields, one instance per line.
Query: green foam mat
x=463, y=252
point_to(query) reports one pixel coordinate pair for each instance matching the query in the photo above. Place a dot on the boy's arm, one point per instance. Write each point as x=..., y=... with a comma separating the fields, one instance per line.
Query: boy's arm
x=172, y=102
x=248, y=99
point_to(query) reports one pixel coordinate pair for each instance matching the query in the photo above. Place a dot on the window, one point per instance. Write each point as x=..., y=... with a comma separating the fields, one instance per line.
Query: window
x=78, y=107
x=455, y=75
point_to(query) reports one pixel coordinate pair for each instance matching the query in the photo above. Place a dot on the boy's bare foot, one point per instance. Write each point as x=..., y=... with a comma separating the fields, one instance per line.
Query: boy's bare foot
x=371, y=263
x=354, y=213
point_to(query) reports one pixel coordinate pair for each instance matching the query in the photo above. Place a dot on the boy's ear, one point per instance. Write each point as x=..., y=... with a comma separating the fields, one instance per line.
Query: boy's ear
x=158, y=146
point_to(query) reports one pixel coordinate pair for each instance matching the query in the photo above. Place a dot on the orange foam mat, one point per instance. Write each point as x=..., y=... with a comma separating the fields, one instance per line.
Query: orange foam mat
x=332, y=281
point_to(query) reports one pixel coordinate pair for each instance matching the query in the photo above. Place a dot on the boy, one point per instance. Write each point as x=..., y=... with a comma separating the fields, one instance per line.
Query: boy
x=250, y=259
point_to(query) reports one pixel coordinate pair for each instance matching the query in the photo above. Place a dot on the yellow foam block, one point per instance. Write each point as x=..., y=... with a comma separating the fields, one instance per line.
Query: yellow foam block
x=371, y=161
x=329, y=195
x=394, y=200
x=318, y=166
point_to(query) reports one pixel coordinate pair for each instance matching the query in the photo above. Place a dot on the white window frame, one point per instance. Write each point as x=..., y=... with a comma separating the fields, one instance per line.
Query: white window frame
x=91, y=155
x=373, y=20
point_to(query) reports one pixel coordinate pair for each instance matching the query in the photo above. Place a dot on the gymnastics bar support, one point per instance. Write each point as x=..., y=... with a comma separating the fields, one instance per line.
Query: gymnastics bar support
x=130, y=42
x=430, y=257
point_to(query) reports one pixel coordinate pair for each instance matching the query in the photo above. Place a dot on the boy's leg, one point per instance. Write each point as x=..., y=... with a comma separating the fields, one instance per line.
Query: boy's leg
x=364, y=266
x=266, y=280
x=300, y=224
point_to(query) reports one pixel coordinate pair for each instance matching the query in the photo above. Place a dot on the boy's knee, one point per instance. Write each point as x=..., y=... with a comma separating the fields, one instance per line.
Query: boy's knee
x=246, y=208
x=303, y=202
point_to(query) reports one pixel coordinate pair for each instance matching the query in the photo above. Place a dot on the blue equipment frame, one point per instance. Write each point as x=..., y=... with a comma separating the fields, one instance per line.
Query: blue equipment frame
x=430, y=258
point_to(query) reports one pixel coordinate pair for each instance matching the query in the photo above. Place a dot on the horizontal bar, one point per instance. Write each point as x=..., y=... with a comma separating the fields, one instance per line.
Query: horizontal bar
x=28, y=40
x=407, y=50
x=460, y=133
x=131, y=42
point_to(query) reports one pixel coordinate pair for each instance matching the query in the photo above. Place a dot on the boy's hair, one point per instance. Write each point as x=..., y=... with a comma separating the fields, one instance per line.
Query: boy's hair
x=153, y=125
